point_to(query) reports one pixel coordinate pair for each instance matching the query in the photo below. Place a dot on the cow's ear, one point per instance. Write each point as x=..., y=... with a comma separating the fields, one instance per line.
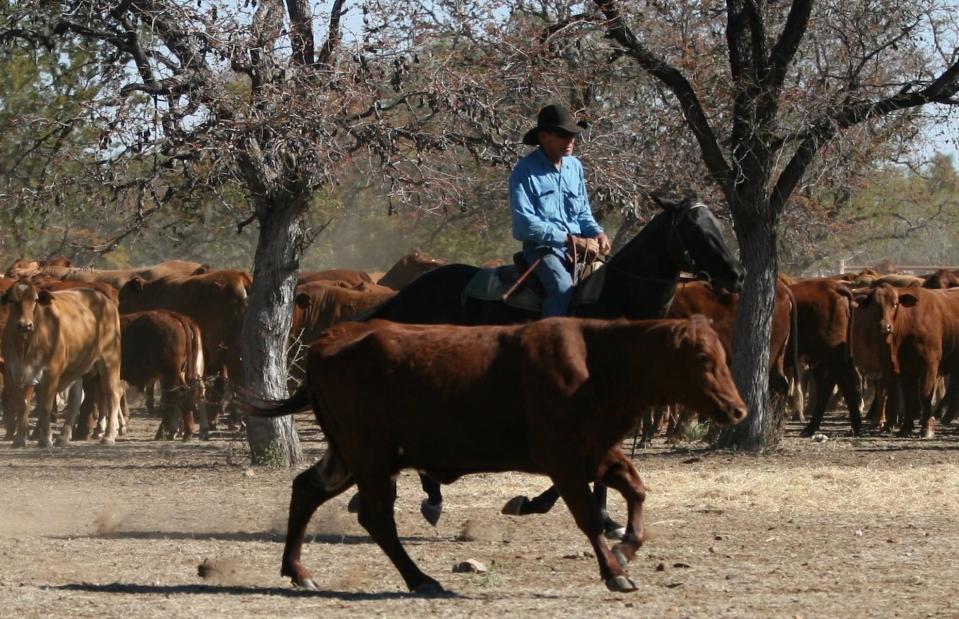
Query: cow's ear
x=909, y=300
x=44, y=297
x=136, y=283
x=302, y=300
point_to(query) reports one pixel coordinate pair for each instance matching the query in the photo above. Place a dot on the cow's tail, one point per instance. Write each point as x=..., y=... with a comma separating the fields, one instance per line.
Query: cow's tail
x=260, y=407
x=795, y=388
x=196, y=366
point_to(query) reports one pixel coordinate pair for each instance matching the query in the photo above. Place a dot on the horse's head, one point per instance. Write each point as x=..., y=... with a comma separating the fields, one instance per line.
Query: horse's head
x=696, y=243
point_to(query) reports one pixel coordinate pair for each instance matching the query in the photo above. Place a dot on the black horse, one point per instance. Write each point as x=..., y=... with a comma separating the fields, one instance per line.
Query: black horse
x=640, y=283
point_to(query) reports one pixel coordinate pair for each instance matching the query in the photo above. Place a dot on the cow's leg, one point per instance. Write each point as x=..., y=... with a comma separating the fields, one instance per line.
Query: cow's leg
x=946, y=409
x=311, y=488
x=169, y=411
x=574, y=488
x=123, y=417
x=432, y=506
x=927, y=389
x=110, y=386
x=184, y=402
x=20, y=410
x=149, y=399
x=824, y=382
x=46, y=400
x=619, y=474
x=217, y=399
x=377, y=496
x=851, y=388
x=74, y=397
x=197, y=396
x=909, y=387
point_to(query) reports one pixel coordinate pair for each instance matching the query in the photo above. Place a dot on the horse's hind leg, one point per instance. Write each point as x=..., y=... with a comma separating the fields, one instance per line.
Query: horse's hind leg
x=377, y=496
x=432, y=506
x=619, y=474
x=311, y=488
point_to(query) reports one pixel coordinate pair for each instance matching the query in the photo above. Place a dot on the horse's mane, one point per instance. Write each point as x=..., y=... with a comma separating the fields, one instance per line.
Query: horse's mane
x=641, y=239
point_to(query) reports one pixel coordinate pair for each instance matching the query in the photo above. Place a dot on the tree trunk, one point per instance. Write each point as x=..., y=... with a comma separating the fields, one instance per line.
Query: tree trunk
x=750, y=363
x=273, y=442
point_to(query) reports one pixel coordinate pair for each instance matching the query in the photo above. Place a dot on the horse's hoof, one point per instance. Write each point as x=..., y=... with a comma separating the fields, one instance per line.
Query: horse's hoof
x=620, y=584
x=431, y=512
x=613, y=530
x=106, y=440
x=354, y=505
x=307, y=584
x=618, y=553
x=429, y=588
x=517, y=506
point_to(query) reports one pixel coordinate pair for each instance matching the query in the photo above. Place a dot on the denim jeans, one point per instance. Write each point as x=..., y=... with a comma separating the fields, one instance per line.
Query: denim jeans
x=556, y=278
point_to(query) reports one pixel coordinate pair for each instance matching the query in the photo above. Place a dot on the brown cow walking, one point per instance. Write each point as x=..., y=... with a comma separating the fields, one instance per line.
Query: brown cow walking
x=553, y=397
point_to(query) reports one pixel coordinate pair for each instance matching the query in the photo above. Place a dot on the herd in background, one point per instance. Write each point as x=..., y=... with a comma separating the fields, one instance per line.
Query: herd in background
x=178, y=324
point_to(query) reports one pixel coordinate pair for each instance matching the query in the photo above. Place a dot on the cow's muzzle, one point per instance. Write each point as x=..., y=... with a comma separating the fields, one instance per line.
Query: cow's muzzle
x=25, y=326
x=885, y=328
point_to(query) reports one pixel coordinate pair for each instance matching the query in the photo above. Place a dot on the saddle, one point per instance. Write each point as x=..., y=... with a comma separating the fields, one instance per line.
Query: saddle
x=492, y=283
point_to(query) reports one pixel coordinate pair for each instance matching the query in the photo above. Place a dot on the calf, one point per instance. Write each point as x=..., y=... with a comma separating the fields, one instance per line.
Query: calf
x=51, y=340
x=166, y=347
x=553, y=397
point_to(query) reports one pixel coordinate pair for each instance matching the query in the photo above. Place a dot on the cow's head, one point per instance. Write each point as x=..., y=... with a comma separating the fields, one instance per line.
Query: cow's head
x=23, y=299
x=708, y=383
x=881, y=307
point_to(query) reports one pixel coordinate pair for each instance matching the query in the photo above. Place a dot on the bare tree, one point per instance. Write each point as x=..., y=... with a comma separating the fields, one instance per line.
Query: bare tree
x=212, y=95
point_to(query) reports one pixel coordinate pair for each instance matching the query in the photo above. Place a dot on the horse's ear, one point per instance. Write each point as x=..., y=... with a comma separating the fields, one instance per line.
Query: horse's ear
x=669, y=201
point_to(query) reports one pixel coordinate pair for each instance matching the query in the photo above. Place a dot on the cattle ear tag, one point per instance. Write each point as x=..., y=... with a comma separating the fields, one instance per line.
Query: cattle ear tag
x=908, y=300
x=44, y=297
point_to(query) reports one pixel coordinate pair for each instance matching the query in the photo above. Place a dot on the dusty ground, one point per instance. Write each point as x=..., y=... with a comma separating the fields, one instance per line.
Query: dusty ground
x=845, y=528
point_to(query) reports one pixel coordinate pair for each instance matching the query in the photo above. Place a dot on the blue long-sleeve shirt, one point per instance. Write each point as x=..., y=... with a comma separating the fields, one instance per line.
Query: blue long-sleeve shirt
x=548, y=203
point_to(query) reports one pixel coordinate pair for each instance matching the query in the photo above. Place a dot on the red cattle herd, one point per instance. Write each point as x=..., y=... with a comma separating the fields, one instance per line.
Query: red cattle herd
x=554, y=397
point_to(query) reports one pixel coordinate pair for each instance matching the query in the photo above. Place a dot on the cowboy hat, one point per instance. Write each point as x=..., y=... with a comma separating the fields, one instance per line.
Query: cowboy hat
x=552, y=118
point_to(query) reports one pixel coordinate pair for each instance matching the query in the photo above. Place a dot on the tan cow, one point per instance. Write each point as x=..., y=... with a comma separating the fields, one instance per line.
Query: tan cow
x=51, y=340
x=408, y=268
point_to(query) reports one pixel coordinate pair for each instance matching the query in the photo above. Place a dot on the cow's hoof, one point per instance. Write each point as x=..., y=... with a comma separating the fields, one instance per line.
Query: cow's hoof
x=431, y=511
x=429, y=588
x=62, y=441
x=620, y=584
x=618, y=553
x=106, y=440
x=354, y=505
x=19, y=441
x=807, y=431
x=517, y=506
x=307, y=584
x=613, y=530
x=45, y=442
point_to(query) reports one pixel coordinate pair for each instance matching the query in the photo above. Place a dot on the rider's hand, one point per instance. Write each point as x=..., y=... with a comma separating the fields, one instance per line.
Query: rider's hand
x=586, y=249
x=604, y=245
